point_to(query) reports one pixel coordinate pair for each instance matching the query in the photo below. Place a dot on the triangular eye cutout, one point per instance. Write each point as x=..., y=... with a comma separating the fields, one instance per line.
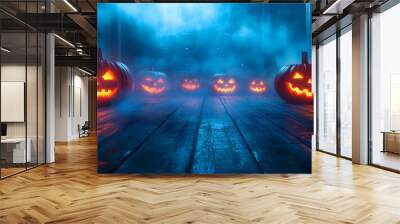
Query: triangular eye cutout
x=108, y=76
x=297, y=76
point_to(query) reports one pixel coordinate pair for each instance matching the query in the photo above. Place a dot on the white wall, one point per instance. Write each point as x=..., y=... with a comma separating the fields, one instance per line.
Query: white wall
x=33, y=127
x=71, y=102
x=62, y=82
x=16, y=73
x=80, y=105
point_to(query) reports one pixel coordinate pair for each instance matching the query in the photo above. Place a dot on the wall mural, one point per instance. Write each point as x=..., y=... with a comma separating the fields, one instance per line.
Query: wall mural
x=203, y=88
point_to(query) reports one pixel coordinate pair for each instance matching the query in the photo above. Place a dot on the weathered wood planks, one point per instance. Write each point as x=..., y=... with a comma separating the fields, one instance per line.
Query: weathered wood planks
x=212, y=134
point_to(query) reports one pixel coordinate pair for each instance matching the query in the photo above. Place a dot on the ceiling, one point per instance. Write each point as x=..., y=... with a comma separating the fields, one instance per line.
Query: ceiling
x=75, y=23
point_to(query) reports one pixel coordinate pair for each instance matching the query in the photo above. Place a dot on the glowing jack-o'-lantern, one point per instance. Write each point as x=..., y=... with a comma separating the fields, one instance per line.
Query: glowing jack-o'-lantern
x=154, y=83
x=224, y=84
x=107, y=85
x=112, y=80
x=257, y=86
x=294, y=83
x=190, y=84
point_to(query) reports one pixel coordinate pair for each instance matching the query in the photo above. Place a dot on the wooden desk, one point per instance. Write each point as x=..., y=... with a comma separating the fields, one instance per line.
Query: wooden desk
x=391, y=141
x=16, y=147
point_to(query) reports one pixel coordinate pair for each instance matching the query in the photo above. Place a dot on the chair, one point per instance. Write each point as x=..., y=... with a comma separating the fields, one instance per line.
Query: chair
x=84, y=130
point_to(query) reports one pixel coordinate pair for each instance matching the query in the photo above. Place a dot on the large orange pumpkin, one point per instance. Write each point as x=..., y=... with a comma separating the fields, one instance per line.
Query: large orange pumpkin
x=293, y=84
x=113, y=80
x=224, y=84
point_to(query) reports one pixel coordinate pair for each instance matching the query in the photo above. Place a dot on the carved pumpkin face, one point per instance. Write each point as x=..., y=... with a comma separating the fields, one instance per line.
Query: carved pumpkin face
x=107, y=85
x=112, y=80
x=154, y=83
x=257, y=86
x=190, y=84
x=294, y=84
x=299, y=85
x=224, y=84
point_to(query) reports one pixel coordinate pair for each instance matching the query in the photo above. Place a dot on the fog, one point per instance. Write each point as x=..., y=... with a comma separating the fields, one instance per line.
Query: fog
x=204, y=39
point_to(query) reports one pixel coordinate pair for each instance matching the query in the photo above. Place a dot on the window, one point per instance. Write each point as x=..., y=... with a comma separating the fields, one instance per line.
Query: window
x=22, y=87
x=346, y=92
x=327, y=96
x=385, y=89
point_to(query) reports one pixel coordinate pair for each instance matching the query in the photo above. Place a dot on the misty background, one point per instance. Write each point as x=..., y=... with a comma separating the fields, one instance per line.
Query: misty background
x=205, y=38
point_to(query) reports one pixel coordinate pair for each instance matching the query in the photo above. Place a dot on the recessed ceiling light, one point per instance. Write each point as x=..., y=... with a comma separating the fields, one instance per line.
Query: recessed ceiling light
x=337, y=7
x=84, y=71
x=5, y=50
x=64, y=40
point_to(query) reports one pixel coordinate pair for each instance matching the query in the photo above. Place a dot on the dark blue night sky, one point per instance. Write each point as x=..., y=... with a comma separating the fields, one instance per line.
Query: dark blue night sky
x=203, y=39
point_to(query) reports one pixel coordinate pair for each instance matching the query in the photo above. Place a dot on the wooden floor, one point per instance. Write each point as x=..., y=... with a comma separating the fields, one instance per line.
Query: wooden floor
x=71, y=191
x=387, y=159
x=205, y=135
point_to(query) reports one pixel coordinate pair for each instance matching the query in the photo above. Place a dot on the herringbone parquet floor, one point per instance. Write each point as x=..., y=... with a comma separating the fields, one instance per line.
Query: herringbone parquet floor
x=70, y=191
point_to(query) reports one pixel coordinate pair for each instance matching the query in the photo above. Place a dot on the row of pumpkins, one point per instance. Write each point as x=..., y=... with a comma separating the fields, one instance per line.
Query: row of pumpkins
x=293, y=84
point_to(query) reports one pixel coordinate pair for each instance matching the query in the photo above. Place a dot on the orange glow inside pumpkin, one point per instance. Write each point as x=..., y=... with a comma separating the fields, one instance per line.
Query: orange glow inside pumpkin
x=298, y=76
x=153, y=87
x=104, y=90
x=106, y=93
x=257, y=86
x=225, y=86
x=190, y=84
x=298, y=91
x=153, y=90
x=304, y=92
x=108, y=76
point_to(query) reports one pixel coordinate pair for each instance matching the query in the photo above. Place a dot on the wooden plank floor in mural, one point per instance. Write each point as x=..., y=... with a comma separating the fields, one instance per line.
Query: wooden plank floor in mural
x=213, y=134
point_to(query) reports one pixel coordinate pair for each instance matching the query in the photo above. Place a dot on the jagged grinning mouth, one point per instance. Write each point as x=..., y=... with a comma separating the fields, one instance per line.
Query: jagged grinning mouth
x=301, y=92
x=106, y=93
x=191, y=87
x=257, y=89
x=153, y=90
x=225, y=89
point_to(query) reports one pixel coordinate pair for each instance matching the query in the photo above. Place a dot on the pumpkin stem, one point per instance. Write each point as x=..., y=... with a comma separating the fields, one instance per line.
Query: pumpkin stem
x=304, y=57
x=99, y=55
